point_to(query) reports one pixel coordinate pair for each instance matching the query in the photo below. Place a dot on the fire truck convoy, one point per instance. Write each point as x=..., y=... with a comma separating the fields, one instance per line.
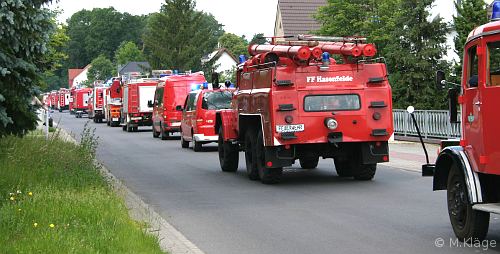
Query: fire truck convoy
x=96, y=105
x=136, y=110
x=294, y=102
x=469, y=168
x=169, y=97
x=198, y=115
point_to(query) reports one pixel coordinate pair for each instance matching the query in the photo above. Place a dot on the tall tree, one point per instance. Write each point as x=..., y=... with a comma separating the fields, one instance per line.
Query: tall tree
x=179, y=36
x=470, y=14
x=235, y=44
x=25, y=28
x=54, y=59
x=128, y=52
x=367, y=18
x=101, y=69
x=415, y=55
x=100, y=31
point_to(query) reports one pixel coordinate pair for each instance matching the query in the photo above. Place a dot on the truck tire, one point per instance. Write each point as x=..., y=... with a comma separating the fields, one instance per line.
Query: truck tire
x=252, y=170
x=155, y=133
x=228, y=154
x=467, y=223
x=108, y=123
x=124, y=127
x=343, y=168
x=129, y=128
x=184, y=143
x=267, y=175
x=365, y=172
x=197, y=145
x=163, y=134
x=309, y=163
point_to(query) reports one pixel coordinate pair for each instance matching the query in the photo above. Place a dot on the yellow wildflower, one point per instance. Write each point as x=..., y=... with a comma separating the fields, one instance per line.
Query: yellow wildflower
x=35, y=224
x=12, y=198
x=30, y=193
x=51, y=225
x=19, y=209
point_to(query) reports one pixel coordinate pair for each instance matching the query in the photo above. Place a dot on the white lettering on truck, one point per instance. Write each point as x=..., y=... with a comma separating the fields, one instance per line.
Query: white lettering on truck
x=320, y=79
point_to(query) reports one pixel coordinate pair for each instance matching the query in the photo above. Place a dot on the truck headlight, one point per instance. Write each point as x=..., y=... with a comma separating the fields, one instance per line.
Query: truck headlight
x=331, y=123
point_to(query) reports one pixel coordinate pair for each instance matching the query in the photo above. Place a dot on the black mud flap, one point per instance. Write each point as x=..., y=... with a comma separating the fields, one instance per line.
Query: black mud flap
x=375, y=152
x=279, y=156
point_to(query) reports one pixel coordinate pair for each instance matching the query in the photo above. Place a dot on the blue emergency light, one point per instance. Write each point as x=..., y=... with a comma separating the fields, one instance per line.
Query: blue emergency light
x=495, y=14
x=243, y=59
x=195, y=87
x=326, y=57
x=205, y=85
x=176, y=72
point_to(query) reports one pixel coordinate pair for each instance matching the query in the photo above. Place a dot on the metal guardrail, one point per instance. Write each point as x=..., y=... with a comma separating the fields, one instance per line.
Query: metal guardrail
x=432, y=123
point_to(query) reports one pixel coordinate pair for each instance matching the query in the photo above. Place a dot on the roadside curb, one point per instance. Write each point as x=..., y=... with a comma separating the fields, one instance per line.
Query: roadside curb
x=169, y=238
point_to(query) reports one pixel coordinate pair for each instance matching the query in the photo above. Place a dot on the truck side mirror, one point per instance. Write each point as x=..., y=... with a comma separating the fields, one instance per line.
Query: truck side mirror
x=453, y=104
x=179, y=108
x=440, y=80
x=150, y=103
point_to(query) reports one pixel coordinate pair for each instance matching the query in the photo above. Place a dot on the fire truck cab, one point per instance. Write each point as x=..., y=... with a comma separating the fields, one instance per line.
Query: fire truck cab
x=198, y=115
x=293, y=101
x=169, y=98
x=469, y=168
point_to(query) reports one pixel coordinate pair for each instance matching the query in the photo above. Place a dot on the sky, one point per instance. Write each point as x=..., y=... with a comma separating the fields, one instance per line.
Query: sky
x=241, y=17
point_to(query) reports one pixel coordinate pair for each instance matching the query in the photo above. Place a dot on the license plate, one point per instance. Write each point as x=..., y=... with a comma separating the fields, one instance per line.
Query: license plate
x=177, y=124
x=115, y=119
x=289, y=128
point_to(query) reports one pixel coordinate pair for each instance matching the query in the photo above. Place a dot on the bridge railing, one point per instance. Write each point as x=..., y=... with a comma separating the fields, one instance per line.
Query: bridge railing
x=432, y=124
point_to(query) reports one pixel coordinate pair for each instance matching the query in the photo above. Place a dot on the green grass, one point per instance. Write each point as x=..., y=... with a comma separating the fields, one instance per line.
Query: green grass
x=68, y=192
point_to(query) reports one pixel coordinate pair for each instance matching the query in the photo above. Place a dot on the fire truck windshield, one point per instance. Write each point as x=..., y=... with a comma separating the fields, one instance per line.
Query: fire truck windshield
x=217, y=100
x=335, y=102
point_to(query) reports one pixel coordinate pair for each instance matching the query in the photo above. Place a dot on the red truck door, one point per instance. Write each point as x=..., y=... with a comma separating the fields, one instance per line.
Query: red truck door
x=472, y=117
x=189, y=115
x=490, y=94
x=158, y=106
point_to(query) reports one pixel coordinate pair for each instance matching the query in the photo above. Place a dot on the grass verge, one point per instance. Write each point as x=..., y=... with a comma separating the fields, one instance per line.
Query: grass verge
x=54, y=200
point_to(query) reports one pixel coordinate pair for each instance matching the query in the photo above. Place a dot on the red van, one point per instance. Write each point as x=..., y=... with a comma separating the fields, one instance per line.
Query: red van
x=170, y=94
x=198, y=116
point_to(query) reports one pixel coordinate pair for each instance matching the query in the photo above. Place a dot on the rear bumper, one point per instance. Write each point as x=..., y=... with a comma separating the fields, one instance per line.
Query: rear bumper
x=203, y=138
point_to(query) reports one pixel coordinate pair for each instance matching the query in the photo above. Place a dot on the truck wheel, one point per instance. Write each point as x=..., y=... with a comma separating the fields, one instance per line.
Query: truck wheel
x=108, y=123
x=343, y=168
x=252, y=170
x=129, y=128
x=467, y=223
x=124, y=127
x=184, y=143
x=228, y=154
x=267, y=175
x=365, y=172
x=163, y=134
x=60, y=110
x=309, y=163
x=155, y=133
x=197, y=145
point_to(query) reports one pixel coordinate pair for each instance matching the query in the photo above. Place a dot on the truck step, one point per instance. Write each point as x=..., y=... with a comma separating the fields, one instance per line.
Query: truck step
x=490, y=208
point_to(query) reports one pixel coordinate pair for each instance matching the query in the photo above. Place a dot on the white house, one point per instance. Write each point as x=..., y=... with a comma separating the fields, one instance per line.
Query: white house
x=82, y=77
x=225, y=61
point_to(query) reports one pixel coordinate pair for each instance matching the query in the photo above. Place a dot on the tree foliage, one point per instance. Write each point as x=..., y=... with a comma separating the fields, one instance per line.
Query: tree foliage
x=128, y=52
x=25, y=28
x=470, y=14
x=415, y=54
x=235, y=44
x=101, y=69
x=54, y=76
x=258, y=39
x=100, y=31
x=179, y=36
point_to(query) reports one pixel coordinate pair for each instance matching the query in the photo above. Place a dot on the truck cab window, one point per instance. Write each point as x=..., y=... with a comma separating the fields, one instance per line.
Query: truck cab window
x=493, y=63
x=473, y=66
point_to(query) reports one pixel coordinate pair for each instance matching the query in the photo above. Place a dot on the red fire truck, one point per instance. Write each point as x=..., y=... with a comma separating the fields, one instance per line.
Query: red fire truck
x=136, y=110
x=54, y=99
x=81, y=101
x=169, y=98
x=64, y=95
x=198, y=116
x=294, y=102
x=96, y=104
x=469, y=168
x=113, y=99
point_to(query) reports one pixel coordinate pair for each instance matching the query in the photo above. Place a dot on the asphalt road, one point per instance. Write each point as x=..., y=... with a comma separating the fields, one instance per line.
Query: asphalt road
x=308, y=212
